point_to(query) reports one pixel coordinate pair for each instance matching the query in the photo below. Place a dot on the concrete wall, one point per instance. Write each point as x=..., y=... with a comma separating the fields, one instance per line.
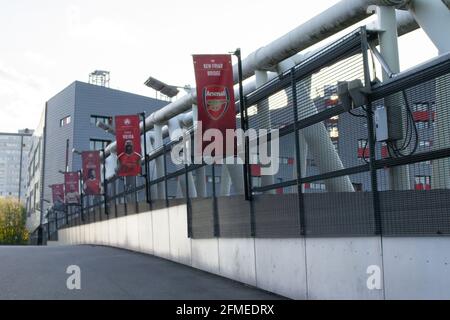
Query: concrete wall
x=311, y=268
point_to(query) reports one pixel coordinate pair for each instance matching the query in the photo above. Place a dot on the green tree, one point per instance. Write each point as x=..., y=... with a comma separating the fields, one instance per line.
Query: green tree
x=12, y=223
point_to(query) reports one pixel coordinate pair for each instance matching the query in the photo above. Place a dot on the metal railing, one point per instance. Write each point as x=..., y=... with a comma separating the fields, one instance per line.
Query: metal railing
x=351, y=191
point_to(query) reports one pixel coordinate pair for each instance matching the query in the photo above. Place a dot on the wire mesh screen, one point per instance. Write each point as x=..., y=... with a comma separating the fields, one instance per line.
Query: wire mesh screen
x=335, y=177
x=234, y=217
x=331, y=209
x=277, y=215
x=318, y=91
x=418, y=209
x=202, y=218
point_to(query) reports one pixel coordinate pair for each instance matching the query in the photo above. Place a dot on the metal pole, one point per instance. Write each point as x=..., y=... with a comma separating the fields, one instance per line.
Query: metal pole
x=105, y=185
x=48, y=226
x=81, y=195
x=243, y=110
x=388, y=38
x=188, y=202
x=301, y=207
x=371, y=137
x=147, y=187
x=125, y=194
x=165, y=175
x=215, y=211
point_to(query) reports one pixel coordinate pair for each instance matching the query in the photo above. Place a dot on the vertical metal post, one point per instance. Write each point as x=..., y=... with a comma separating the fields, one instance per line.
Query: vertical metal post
x=215, y=211
x=165, y=175
x=301, y=206
x=48, y=226
x=147, y=187
x=243, y=111
x=188, y=202
x=125, y=195
x=81, y=195
x=115, y=196
x=105, y=185
x=371, y=137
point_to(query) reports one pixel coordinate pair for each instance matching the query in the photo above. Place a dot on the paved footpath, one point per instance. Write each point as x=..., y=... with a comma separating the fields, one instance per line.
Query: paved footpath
x=109, y=273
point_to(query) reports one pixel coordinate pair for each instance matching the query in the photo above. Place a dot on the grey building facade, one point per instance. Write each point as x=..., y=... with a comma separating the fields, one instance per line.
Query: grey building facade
x=68, y=123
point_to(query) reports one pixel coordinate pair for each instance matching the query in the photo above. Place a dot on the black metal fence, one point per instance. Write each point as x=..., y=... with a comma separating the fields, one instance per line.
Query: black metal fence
x=353, y=185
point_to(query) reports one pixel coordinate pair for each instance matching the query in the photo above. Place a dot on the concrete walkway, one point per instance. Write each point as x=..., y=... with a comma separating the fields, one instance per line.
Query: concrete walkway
x=109, y=273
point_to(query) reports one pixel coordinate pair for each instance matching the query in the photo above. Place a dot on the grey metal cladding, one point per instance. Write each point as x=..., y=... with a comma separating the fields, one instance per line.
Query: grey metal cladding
x=58, y=107
x=96, y=100
x=81, y=100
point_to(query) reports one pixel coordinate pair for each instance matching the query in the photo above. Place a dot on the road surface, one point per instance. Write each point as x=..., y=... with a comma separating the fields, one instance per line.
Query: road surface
x=109, y=273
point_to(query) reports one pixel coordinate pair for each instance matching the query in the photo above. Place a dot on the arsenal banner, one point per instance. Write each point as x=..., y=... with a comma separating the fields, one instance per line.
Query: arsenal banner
x=215, y=93
x=91, y=172
x=128, y=137
x=57, y=193
x=71, y=186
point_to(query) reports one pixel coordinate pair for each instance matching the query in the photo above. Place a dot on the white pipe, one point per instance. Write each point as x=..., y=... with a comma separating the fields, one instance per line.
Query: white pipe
x=434, y=18
x=334, y=19
x=225, y=181
x=321, y=146
x=388, y=40
x=331, y=21
x=159, y=162
x=263, y=109
x=200, y=173
x=405, y=24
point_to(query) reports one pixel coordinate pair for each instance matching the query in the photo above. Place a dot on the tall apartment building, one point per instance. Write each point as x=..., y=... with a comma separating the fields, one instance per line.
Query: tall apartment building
x=14, y=148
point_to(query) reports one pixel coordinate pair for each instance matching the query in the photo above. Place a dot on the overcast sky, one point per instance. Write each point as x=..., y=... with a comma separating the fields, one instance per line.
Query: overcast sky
x=46, y=45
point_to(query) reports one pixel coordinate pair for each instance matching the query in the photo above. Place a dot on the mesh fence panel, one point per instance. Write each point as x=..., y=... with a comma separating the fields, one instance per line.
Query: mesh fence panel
x=335, y=213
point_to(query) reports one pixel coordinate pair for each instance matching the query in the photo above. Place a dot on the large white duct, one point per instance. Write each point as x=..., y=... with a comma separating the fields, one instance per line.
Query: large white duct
x=434, y=18
x=331, y=21
x=343, y=15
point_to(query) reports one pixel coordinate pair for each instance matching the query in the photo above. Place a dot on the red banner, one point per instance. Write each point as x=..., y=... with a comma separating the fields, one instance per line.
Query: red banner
x=57, y=193
x=215, y=93
x=91, y=172
x=129, y=153
x=71, y=186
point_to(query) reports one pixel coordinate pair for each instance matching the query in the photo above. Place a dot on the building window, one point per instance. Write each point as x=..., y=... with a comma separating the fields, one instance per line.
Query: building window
x=97, y=144
x=256, y=182
x=422, y=183
x=286, y=160
x=363, y=148
x=423, y=112
x=333, y=130
x=65, y=121
x=209, y=179
x=315, y=186
x=384, y=150
x=106, y=120
x=310, y=163
x=424, y=143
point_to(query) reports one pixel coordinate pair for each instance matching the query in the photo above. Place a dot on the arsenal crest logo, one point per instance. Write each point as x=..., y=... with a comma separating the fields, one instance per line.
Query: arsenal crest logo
x=216, y=100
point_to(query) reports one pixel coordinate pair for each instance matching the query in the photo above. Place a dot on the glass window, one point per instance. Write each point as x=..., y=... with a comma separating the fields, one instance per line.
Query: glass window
x=65, y=121
x=362, y=143
x=97, y=144
x=210, y=179
x=105, y=119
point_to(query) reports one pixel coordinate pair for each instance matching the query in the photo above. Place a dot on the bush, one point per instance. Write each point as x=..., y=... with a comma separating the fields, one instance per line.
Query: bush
x=12, y=223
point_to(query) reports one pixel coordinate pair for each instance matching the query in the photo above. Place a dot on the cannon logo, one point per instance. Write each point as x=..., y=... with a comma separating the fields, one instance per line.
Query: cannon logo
x=216, y=100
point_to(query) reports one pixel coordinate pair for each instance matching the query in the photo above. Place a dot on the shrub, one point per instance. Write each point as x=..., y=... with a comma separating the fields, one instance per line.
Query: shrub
x=12, y=223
